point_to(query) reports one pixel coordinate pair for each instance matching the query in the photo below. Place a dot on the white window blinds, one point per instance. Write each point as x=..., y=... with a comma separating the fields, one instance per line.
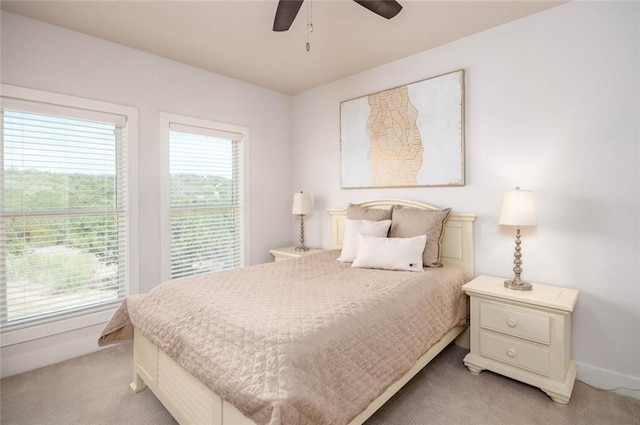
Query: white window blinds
x=205, y=199
x=63, y=212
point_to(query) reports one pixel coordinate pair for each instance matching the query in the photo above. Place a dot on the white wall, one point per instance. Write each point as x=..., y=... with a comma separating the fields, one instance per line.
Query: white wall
x=45, y=57
x=552, y=105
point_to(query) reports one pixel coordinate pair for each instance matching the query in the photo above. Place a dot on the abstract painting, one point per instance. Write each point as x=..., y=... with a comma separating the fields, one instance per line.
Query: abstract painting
x=408, y=136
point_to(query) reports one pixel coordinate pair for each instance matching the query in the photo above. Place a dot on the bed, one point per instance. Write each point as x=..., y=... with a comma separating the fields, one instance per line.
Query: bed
x=338, y=351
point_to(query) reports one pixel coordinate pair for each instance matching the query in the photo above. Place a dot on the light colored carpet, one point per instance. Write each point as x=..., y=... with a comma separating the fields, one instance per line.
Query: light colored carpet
x=93, y=390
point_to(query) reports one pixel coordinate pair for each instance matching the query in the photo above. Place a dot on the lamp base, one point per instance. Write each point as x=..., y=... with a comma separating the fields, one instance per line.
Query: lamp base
x=518, y=286
x=302, y=248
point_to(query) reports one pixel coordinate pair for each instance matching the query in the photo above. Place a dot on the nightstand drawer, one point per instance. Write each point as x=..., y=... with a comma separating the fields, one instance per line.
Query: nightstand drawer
x=522, y=323
x=520, y=354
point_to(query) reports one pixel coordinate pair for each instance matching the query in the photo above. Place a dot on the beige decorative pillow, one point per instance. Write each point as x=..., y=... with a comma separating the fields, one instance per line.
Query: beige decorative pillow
x=356, y=212
x=408, y=222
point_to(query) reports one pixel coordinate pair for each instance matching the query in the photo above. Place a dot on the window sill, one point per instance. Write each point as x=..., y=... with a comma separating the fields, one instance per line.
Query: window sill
x=44, y=330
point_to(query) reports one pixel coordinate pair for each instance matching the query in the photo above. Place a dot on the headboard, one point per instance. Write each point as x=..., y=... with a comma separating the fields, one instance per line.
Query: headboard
x=457, y=240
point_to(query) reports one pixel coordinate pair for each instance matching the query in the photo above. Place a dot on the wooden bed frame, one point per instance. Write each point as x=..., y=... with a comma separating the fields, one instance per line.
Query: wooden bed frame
x=191, y=402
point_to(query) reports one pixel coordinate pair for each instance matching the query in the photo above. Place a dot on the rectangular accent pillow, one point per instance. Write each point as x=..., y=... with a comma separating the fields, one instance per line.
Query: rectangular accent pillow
x=356, y=212
x=352, y=228
x=408, y=222
x=390, y=253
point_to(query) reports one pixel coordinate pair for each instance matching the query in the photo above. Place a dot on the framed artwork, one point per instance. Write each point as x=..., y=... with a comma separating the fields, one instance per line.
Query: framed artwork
x=408, y=136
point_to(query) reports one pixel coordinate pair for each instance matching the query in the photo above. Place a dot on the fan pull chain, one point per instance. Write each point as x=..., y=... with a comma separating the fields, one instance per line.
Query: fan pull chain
x=309, y=23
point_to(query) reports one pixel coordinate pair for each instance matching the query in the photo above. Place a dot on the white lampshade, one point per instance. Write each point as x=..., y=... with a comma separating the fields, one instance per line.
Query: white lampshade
x=517, y=209
x=301, y=204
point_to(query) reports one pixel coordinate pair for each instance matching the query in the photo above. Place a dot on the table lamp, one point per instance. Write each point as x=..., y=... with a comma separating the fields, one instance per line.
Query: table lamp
x=517, y=211
x=301, y=207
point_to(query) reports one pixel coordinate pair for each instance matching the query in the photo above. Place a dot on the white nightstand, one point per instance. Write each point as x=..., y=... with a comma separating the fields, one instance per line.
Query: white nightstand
x=289, y=252
x=525, y=335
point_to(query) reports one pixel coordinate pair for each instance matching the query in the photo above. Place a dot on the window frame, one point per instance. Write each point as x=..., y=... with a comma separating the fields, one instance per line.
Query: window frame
x=165, y=120
x=86, y=317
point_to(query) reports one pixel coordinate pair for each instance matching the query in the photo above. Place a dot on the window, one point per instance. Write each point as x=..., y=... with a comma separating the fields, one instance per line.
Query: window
x=66, y=207
x=203, y=196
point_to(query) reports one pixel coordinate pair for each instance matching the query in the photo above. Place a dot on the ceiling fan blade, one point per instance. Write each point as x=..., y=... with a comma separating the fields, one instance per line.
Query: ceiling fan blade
x=385, y=8
x=285, y=14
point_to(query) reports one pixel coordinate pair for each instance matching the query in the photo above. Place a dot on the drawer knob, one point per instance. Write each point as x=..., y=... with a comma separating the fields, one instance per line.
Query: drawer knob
x=511, y=352
x=512, y=323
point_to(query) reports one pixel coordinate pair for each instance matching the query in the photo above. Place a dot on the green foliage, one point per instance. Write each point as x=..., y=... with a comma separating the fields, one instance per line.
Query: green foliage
x=203, y=223
x=57, y=271
x=60, y=252
x=97, y=234
x=203, y=234
x=202, y=190
x=34, y=190
x=203, y=240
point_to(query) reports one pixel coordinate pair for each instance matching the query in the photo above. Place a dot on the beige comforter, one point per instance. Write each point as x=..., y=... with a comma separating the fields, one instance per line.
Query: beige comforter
x=305, y=341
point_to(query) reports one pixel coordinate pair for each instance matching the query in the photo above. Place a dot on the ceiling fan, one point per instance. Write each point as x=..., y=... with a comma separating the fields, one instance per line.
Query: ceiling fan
x=288, y=9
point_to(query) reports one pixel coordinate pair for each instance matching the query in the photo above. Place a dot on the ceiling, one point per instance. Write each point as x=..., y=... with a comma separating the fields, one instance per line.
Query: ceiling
x=234, y=38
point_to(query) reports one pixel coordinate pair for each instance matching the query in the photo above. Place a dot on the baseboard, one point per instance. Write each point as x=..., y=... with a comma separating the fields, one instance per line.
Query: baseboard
x=608, y=380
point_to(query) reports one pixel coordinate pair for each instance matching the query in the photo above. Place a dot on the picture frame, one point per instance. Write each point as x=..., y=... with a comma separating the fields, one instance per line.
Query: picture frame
x=406, y=136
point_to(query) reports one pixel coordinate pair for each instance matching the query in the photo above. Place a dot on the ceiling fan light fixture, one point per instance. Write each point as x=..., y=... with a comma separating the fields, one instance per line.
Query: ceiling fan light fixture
x=288, y=9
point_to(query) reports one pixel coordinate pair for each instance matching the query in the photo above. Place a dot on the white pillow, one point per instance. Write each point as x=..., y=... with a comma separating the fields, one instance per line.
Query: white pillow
x=390, y=253
x=352, y=228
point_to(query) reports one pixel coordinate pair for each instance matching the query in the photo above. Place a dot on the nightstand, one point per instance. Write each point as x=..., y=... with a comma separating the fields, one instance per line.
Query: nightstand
x=289, y=252
x=525, y=335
